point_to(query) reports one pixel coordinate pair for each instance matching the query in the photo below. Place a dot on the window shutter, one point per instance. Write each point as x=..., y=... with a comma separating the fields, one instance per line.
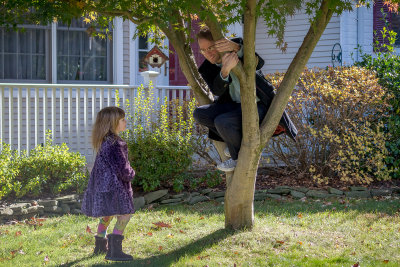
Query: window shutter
x=380, y=21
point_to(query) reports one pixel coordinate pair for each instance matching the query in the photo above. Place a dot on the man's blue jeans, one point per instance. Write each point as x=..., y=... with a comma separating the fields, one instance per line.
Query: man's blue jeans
x=225, y=120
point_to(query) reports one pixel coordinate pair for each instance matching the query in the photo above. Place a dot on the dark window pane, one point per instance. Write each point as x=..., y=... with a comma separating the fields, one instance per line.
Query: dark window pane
x=80, y=55
x=38, y=42
x=1, y=41
x=38, y=67
x=25, y=42
x=10, y=46
x=24, y=67
x=89, y=68
x=62, y=43
x=101, y=69
x=94, y=46
x=396, y=27
x=10, y=66
x=18, y=49
x=1, y=66
x=62, y=67
x=143, y=43
x=142, y=64
x=74, y=68
x=75, y=43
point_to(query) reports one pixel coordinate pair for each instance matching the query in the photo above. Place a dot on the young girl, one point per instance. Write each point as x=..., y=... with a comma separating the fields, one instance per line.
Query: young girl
x=109, y=191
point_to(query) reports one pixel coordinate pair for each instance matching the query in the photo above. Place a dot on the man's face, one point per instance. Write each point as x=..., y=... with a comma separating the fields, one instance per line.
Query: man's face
x=206, y=48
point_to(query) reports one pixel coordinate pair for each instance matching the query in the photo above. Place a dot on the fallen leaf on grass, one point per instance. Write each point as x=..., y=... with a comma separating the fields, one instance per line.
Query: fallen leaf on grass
x=183, y=232
x=18, y=233
x=386, y=261
x=299, y=215
x=201, y=218
x=162, y=224
x=13, y=253
x=88, y=230
x=278, y=243
x=150, y=234
x=160, y=248
x=202, y=257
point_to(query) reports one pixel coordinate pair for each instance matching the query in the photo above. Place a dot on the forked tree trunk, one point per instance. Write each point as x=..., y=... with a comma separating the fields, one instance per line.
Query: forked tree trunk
x=239, y=196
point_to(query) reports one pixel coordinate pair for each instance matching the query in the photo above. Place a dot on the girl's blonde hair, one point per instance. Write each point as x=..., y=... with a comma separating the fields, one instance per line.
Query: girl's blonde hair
x=106, y=122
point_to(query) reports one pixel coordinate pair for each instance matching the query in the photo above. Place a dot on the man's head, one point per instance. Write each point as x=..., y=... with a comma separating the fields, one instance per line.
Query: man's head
x=206, y=43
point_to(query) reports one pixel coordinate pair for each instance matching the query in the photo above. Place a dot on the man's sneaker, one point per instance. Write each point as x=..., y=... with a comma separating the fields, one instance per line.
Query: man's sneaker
x=226, y=152
x=227, y=166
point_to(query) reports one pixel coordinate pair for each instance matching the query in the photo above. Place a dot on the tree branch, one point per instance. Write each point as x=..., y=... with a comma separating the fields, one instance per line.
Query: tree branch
x=294, y=71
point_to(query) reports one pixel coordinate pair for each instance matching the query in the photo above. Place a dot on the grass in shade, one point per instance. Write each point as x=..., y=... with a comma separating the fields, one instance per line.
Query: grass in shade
x=286, y=233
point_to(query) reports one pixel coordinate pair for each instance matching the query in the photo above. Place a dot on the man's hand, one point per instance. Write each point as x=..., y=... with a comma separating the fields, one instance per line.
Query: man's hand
x=229, y=61
x=226, y=45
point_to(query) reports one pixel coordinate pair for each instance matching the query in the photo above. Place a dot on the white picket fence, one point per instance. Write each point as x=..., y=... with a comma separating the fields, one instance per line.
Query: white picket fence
x=27, y=111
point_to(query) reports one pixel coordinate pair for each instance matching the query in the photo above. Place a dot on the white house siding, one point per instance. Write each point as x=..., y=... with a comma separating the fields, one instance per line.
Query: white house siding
x=296, y=29
x=126, y=48
x=356, y=29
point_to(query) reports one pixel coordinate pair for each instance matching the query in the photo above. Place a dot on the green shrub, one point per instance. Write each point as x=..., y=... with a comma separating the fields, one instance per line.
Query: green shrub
x=161, y=141
x=8, y=171
x=211, y=178
x=48, y=169
x=387, y=68
x=338, y=114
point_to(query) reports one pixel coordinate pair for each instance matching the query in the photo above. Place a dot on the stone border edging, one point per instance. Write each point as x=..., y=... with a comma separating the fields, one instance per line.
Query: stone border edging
x=71, y=204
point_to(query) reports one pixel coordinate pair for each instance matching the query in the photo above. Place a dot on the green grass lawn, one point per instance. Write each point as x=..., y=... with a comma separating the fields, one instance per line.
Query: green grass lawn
x=286, y=233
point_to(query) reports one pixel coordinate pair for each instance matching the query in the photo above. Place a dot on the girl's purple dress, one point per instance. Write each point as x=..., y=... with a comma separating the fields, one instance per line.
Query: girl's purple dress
x=109, y=191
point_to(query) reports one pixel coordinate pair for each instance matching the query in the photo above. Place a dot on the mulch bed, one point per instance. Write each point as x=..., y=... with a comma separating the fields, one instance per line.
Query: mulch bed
x=268, y=178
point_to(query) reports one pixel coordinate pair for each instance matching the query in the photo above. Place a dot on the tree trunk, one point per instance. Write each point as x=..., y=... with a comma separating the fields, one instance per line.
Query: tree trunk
x=239, y=195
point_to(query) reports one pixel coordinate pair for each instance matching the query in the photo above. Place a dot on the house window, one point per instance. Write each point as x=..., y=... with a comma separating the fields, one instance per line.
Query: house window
x=23, y=54
x=143, y=50
x=26, y=55
x=81, y=57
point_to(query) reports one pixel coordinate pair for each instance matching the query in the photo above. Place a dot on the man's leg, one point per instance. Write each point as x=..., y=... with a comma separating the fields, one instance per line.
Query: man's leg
x=229, y=127
x=206, y=114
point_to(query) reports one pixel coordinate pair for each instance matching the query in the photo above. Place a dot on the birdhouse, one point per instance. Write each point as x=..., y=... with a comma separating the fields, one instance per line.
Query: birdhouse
x=155, y=58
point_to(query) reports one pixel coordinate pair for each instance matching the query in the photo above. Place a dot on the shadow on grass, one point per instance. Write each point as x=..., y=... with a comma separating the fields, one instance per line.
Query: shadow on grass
x=77, y=261
x=290, y=207
x=191, y=249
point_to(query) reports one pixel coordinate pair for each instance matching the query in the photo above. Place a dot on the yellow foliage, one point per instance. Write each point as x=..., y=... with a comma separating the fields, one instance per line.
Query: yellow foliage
x=335, y=111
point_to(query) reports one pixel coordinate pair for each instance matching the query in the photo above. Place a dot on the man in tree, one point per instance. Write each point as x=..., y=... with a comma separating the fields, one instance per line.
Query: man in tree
x=224, y=117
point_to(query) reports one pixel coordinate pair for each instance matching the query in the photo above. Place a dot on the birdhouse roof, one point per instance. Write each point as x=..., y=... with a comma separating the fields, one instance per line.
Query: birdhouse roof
x=156, y=51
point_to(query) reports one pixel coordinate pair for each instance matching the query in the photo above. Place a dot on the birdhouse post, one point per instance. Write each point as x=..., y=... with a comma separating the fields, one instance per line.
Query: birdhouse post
x=155, y=58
